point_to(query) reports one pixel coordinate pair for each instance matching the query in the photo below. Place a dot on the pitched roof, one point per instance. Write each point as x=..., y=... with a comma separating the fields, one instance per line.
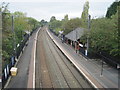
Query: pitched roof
x=75, y=34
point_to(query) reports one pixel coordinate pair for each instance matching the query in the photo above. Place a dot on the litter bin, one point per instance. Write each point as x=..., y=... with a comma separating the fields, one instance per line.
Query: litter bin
x=13, y=71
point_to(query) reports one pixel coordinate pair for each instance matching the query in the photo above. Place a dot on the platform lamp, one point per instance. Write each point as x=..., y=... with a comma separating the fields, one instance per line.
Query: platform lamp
x=89, y=19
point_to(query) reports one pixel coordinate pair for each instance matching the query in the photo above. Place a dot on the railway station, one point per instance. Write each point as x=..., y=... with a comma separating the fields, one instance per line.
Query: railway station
x=40, y=49
x=60, y=67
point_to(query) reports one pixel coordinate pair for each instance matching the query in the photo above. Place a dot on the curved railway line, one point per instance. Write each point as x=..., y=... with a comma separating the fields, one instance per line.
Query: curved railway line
x=53, y=69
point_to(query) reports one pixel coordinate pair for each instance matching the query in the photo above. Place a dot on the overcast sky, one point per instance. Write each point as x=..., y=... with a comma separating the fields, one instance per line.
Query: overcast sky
x=44, y=9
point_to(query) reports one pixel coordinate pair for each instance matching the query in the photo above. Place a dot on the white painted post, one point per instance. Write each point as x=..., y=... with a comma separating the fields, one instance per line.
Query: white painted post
x=5, y=73
x=86, y=52
x=7, y=70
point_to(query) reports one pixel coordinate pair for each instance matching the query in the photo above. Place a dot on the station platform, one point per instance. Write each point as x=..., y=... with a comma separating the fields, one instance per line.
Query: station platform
x=91, y=68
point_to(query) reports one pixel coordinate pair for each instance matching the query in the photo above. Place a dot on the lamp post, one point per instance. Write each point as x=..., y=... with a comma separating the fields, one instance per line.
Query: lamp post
x=118, y=67
x=0, y=49
x=101, y=74
x=14, y=36
x=101, y=69
x=76, y=35
x=89, y=18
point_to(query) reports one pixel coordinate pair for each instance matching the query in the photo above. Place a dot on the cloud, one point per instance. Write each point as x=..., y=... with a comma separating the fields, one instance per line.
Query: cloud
x=70, y=15
x=102, y=0
x=57, y=0
x=96, y=14
x=42, y=0
x=44, y=9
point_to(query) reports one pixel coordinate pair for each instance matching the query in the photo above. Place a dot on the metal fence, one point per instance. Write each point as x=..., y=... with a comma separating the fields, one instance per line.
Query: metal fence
x=22, y=44
x=6, y=71
x=108, y=59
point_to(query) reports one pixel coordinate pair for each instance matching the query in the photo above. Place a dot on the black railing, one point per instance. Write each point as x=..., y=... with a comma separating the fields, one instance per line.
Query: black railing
x=108, y=59
x=22, y=44
x=6, y=71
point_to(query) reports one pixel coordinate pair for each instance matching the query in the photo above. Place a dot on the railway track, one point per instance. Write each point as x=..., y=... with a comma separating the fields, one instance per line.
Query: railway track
x=42, y=73
x=53, y=69
x=79, y=78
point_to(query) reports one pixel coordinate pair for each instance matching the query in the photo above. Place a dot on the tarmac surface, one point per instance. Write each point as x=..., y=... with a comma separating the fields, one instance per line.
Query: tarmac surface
x=21, y=79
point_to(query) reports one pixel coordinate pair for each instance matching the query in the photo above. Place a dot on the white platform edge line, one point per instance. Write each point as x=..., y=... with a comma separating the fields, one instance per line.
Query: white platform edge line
x=34, y=58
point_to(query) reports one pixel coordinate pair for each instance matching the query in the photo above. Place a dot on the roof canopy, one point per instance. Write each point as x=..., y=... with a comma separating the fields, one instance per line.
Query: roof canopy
x=75, y=34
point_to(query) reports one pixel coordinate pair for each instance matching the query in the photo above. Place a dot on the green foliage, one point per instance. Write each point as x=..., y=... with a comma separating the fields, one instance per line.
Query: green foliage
x=65, y=25
x=66, y=17
x=21, y=24
x=52, y=19
x=43, y=22
x=57, y=30
x=54, y=24
x=71, y=25
x=112, y=9
x=85, y=13
x=104, y=35
x=85, y=10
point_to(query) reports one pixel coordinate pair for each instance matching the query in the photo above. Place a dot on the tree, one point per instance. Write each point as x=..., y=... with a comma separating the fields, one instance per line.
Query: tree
x=55, y=24
x=6, y=22
x=64, y=25
x=112, y=9
x=7, y=40
x=43, y=22
x=104, y=35
x=71, y=25
x=53, y=18
x=85, y=13
x=66, y=18
x=33, y=23
x=21, y=24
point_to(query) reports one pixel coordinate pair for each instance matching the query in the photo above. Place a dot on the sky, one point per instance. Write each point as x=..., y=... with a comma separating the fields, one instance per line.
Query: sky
x=45, y=9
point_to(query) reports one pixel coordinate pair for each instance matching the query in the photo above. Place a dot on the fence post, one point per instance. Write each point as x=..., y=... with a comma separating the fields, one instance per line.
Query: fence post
x=101, y=66
x=7, y=69
x=5, y=73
